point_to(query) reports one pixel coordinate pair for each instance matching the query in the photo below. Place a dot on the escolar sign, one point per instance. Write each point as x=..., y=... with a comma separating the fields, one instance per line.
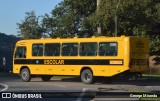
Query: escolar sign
x=57, y=62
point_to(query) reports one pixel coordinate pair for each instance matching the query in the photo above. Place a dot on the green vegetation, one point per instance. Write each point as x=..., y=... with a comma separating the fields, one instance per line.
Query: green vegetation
x=7, y=43
x=150, y=99
x=148, y=75
x=69, y=17
x=155, y=78
x=81, y=17
x=136, y=91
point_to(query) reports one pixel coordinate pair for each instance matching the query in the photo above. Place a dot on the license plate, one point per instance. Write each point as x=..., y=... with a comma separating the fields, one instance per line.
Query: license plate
x=139, y=62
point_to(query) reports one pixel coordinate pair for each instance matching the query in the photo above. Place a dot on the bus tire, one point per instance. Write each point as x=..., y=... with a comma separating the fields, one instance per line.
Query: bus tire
x=46, y=77
x=87, y=76
x=25, y=75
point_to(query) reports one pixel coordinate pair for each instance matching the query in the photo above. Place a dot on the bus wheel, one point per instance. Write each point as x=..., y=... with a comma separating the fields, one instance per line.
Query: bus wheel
x=46, y=77
x=25, y=75
x=87, y=76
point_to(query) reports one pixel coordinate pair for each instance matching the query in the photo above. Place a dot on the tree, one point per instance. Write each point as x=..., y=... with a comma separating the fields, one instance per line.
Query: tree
x=30, y=27
x=7, y=43
x=134, y=16
x=49, y=24
x=70, y=17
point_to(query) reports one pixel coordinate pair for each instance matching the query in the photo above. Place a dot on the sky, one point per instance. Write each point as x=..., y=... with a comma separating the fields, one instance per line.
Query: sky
x=13, y=11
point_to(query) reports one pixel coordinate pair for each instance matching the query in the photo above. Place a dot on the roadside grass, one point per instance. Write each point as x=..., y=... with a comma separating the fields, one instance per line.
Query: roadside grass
x=152, y=77
x=137, y=91
x=149, y=99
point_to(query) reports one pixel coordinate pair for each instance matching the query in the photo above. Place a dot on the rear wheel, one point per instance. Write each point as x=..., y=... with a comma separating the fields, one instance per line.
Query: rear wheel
x=25, y=75
x=87, y=76
x=46, y=77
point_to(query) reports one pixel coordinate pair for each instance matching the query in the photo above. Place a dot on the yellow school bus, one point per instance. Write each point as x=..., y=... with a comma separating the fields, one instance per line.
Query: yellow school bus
x=85, y=57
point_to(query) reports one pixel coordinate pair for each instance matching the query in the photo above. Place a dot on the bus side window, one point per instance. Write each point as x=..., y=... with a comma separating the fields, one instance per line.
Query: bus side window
x=52, y=49
x=65, y=50
x=74, y=49
x=37, y=50
x=108, y=48
x=69, y=49
x=56, y=50
x=83, y=50
x=88, y=49
x=20, y=52
x=101, y=51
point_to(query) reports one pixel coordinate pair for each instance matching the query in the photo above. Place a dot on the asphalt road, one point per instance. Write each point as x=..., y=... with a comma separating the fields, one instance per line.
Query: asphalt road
x=72, y=89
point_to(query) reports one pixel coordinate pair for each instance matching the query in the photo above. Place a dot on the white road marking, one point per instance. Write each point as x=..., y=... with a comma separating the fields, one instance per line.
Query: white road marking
x=5, y=87
x=57, y=85
x=60, y=86
x=82, y=94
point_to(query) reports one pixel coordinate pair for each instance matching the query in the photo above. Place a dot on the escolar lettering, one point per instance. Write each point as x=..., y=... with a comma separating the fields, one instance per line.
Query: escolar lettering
x=55, y=62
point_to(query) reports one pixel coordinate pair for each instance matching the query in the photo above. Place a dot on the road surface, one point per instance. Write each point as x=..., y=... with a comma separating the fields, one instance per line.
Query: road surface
x=72, y=88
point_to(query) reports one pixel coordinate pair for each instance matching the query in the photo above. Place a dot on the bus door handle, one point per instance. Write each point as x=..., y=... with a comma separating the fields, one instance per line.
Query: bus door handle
x=37, y=69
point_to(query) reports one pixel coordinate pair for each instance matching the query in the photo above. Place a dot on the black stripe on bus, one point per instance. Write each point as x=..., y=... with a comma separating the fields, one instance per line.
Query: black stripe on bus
x=69, y=61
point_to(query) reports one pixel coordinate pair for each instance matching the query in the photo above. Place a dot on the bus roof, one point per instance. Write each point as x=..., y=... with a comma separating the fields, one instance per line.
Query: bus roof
x=75, y=39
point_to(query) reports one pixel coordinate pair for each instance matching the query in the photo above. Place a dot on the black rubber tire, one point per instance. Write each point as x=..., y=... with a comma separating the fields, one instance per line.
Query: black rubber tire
x=46, y=77
x=25, y=75
x=87, y=76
